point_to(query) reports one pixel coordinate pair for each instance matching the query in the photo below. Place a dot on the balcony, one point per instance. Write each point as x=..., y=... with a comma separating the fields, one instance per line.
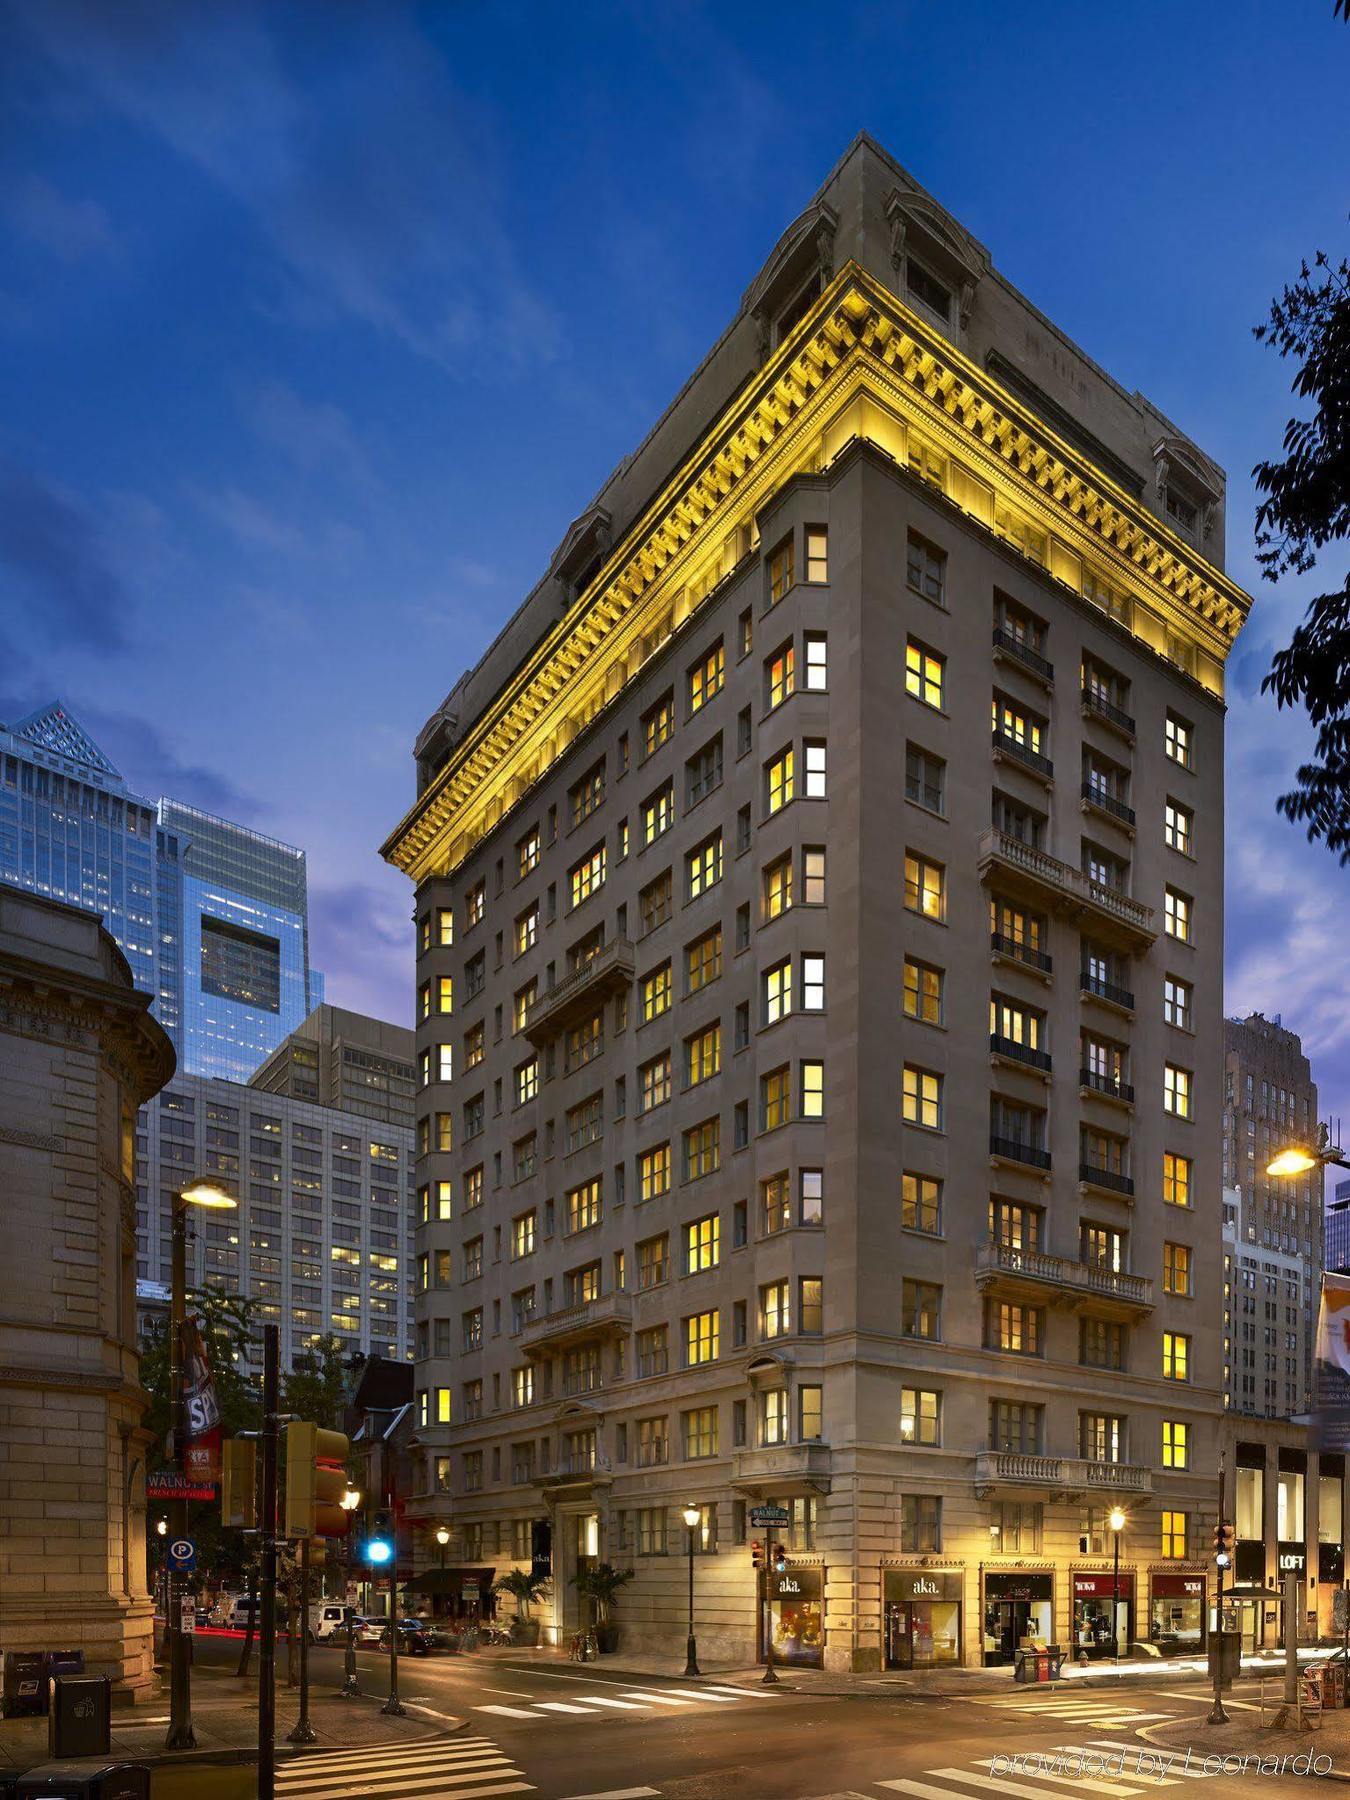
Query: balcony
x=1005, y=744
x=1110, y=1181
x=1014, y=950
x=1107, y=1087
x=1098, y=989
x=577, y=995
x=1014, y=1150
x=1090, y=904
x=1066, y=1477
x=609, y=1316
x=1030, y=1275
x=1097, y=706
x=1098, y=798
x=782, y=1469
x=1009, y=1050
x=1008, y=644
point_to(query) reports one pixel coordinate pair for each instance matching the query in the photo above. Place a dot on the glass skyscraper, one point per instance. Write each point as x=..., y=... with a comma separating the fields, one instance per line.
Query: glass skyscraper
x=212, y=917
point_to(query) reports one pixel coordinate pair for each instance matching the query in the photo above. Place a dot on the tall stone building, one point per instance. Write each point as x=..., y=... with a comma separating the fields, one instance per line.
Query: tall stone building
x=819, y=910
x=79, y=1053
x=1273, y=1229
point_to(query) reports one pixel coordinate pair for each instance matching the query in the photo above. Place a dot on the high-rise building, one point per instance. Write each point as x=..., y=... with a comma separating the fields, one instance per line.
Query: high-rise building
x=212, y=917
x=1273, y=1228
x=819, y=912
x=1336, y=1248
x=322, y=1239
x=345, y=1060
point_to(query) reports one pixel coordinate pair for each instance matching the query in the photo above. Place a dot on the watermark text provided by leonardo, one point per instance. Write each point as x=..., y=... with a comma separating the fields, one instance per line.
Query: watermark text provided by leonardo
x=1154, y=1765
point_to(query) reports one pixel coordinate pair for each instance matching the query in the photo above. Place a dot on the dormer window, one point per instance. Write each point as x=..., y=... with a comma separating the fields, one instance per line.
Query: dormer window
x=1182, y=512
x=928, y=290
x=1190, y=490
x=797, y=308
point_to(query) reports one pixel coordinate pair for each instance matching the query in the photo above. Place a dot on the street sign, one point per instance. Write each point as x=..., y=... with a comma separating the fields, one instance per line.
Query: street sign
x=182, y=1556
x=770, y=1515
x=187, y=1612
x=470, y=1590
x=170, y=1484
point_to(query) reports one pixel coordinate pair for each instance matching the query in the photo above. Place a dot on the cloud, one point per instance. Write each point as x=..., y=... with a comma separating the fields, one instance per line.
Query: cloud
x=363, y=931
x=56, y=550
x=152, y=764
x=70, y=229
x=370, y=181
x=314, y=435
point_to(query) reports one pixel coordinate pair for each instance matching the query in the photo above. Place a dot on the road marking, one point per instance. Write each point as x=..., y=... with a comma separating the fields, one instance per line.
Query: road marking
x=436, y=1769
x=1087, y=1784
x=652, y=1697
x=1203, y=1697
x=510, y=1693
x=508, y=1712
x=617, y=1794
x=1175, y=1770
x=319, y=1768
x=702, y=1694
x=604, y=1700
x=558, y=1706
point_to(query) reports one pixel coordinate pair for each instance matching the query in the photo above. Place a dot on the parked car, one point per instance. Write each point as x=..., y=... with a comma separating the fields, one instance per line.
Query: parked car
x=416, y=1637
x=369, y=1631
x=203, y=1616
x=328, y=1619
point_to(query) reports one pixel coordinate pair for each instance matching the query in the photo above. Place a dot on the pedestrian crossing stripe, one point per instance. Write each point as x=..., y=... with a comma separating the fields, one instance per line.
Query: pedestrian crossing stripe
x=1037, y=1781
x=432, y=1769
x=627, y=1700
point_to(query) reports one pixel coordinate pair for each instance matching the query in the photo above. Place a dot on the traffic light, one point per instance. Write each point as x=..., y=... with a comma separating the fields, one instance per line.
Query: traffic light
x=316, y=1480
x=1223, y=1545
x=757, y=1554
x=380, y=1540
x=239, y=1484
x=777, y=1558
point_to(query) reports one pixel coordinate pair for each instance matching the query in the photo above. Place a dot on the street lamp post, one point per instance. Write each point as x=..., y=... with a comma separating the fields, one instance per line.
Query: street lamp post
x=1117, y=1522
x=206, y=1193
x=693, y=1518
x=442, y=1538
x=351, y=1687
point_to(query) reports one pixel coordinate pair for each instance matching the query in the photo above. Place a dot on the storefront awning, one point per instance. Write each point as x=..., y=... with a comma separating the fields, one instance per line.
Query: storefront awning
x=450, y=1581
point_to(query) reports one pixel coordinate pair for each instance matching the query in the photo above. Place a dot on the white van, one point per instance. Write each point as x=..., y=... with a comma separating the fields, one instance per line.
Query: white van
x=328, y=1619
x=233, y=1611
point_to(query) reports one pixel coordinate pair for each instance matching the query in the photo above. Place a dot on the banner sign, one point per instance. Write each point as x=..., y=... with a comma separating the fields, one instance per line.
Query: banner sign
x=168, y=1484
x=1331, y=1366
x=200, y=1457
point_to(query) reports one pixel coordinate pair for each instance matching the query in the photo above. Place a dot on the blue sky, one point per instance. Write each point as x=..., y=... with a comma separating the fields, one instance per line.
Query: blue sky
x=319, y=323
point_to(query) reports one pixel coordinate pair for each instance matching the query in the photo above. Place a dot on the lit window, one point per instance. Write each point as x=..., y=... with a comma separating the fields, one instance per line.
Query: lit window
x=920, y=1309
x=701, y=1339
x=702, y=1245
x=654, y=1172
x=780, y=571
x=777, y=984
x=924, y=672
x=923, y=992
x=588, y=875
x=925, y=887
x=527, y=1081
x=706, y=677
x=779, y=781
x=813, y=983
x=922, y=1098
x=920, y=1416
x=445, y=926
x=921, y=1203
x=1176, y=1179
x=1176, y=1444
x=775, y=1090
x=655, y=992
x=703, y=1150
x=1176, y=1356
x=1176, y=1268
x=703, y=867
x=658, y=813
x=1174, y=1534
x=1178, y=740
x=780, y=675
x=527, y=930
x=1178, y=826
x=703, y=1056
x=817, y=662
x=817, y=554
x=700, y=1432
x=1177, y=914
x=813, y=877
x=813, y=1090
x=813, y=758
x=1177, y=1002
x=775, y=1309
x=778, y=887
x=527, y=852
x=1177, y=1091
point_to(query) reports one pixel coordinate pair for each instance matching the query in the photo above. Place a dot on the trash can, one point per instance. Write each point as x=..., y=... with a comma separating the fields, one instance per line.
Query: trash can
x=25, y=1684
x=65, y=1662
x=1055, y=1654
x=79, y=1715
x=1023, y=1668
x=86, y=1781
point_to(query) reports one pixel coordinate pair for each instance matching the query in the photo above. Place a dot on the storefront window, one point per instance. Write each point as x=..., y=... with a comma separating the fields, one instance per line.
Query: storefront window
x=1092, y=1606
x=1329, y=1509
x=922, y=1619
x=1019, y=1611
x=1177, y=1614
x=1249, y=1512
x=793, y=1616
x=1289, y=1506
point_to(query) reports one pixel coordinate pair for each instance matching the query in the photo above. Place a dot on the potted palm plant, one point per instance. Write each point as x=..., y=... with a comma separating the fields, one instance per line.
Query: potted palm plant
x=599, y=1584
x=524, y=1587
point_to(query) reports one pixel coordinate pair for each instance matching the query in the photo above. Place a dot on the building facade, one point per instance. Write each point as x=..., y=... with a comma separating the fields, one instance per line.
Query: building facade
x=79, y=1053
x=1336, y=1227
x=1287, y=1505
x=212, y=917
x=322, y=1239
x=819, y=911
x=1273, y=1228
x=347, y=1061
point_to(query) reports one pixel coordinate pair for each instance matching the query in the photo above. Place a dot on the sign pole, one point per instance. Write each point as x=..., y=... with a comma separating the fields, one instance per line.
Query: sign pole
x=180, y=1735
x=267, y=1648
x=1217, y=1715
x=303, y=1732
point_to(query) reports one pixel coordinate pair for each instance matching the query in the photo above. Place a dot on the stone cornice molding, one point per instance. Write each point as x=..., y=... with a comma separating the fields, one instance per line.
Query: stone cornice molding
x=858, y=343
x=39, y=1000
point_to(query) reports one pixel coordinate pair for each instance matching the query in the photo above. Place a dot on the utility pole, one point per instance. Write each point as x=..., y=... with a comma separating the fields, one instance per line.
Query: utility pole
x=1216, y=1714
x=267, y=1649
x=303, y=1732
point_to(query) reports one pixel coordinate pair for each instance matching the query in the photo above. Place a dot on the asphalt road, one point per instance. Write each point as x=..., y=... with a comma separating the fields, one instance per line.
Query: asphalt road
x=564, y=1732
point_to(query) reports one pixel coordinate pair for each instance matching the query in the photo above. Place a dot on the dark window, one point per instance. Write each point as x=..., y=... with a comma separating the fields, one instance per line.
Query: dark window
x=241, y=965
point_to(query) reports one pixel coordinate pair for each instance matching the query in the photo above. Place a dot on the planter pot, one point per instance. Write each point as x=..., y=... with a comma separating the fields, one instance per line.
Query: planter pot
x=607, y=1639
x=526, y=1632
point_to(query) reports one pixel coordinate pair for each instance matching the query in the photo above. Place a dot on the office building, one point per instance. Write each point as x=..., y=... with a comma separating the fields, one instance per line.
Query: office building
x=79, y=1054
x=212, y=917
x=1336, y=1245
x=346, y=1061
x=819, y=924
x=1273, y=1228
x=322, y=1240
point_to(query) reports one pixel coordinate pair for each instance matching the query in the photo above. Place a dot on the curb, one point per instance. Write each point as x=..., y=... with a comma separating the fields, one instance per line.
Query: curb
x=1146, y=1732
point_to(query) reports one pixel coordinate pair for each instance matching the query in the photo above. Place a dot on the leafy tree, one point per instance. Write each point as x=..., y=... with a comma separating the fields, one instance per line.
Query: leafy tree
x=1306, y=507
x=317, y=1386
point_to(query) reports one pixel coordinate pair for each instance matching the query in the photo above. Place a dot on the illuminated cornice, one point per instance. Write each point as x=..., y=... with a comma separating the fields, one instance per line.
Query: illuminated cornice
x=860, y=364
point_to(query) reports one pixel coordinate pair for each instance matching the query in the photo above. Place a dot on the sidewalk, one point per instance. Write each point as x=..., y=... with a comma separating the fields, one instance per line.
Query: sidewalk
x=1246, y=1738
x=225, y=1717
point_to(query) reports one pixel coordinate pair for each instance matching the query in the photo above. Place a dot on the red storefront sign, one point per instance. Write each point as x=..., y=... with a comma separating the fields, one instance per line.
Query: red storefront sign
x=1101, y=1587
x=1191, y=1587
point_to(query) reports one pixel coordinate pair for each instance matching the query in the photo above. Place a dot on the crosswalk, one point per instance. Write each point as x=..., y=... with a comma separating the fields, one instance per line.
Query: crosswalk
x=459, y=1768
x=1078, y=1710
x=616, y=1701
x=1105, y=1768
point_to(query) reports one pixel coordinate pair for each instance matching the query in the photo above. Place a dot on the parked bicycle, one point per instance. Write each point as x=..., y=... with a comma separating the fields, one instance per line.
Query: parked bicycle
x=583, y=1647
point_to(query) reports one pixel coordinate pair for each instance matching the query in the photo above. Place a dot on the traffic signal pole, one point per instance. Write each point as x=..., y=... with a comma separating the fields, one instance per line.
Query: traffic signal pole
x=1216, y=1715
x=303, y=1732
x=180, y=1735
x=267, y=1648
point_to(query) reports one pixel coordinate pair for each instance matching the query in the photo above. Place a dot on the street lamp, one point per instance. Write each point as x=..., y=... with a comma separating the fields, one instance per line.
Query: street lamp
x=442, y=1538
x=351, y=1688
x=204, y=1192
x=1297, y=1159
x=162, y=1527
x=1117, y=1524
x=693, y=1518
